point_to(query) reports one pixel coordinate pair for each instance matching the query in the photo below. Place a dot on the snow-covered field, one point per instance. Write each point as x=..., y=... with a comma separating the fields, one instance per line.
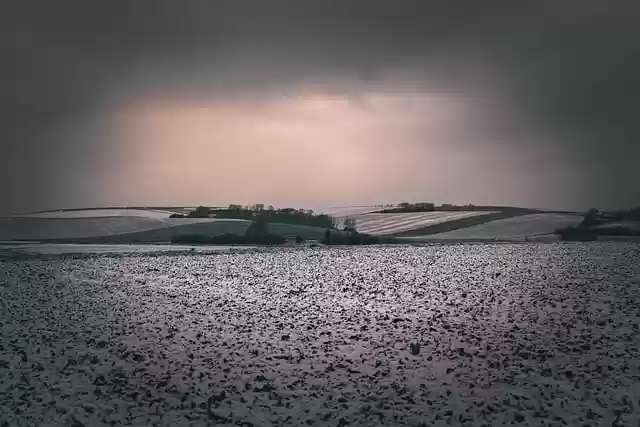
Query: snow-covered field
x=390, y=223
x=66, y=228
x=490, y=335
x=151, y=225
x=99, y=213
x=107, y=222
x=518, y=227
x=155, y=225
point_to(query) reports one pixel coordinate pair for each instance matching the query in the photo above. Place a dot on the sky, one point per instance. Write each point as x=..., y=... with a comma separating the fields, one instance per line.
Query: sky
x=311, y=103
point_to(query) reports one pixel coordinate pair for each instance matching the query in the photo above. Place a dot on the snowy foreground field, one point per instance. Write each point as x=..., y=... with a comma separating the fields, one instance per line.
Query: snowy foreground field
x=507, y=334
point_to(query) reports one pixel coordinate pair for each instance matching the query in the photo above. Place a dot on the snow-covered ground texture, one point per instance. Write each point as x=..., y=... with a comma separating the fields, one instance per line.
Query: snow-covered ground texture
x=516, y=228
x=508, y=334
x=391, y=223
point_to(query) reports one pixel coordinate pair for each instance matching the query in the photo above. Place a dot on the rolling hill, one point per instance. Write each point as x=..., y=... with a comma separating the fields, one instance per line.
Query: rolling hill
x=518, y=227
x=153, y=225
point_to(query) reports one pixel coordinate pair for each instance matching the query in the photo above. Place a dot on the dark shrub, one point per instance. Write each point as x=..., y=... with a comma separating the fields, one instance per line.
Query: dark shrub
x=579, y=234
x=353, y=239
x=229, y=239
x=590, y=218
x=270, y=239
x=177, y=215
x=299, y=239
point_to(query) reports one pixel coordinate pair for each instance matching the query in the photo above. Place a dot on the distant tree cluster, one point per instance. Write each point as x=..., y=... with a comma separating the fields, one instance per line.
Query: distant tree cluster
x=469, y=207
x=270, y=214
x=418, y=207
x=410, y=207
x=430, y=207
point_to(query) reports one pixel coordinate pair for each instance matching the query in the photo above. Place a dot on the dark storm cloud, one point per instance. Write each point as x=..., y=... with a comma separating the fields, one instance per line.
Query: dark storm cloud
x=570, y=69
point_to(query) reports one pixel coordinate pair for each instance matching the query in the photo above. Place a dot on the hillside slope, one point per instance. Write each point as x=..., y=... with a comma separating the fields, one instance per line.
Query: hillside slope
x=118, y=225
x=463, y=222
x=398, y=224
x=208, y=228
x=518, y=227
x=59, y=228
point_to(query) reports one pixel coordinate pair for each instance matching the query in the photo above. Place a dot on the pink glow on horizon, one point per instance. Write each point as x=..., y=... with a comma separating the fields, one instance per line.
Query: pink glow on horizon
x=310, y=148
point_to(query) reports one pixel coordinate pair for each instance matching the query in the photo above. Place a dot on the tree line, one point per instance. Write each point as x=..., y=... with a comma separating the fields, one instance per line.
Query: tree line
x=431, y=207
x=261, y=214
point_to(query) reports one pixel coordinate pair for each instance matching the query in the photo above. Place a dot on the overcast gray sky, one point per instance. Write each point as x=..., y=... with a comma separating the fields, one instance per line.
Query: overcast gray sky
x=313, y=103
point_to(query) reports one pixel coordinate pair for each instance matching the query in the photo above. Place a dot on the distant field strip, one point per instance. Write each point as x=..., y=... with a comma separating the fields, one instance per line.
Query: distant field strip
x=511, y=228
x=100, y=213
x=631, y=225
x=384, y=224
x=348, y=212
x=209, y=228
x=68, y=228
